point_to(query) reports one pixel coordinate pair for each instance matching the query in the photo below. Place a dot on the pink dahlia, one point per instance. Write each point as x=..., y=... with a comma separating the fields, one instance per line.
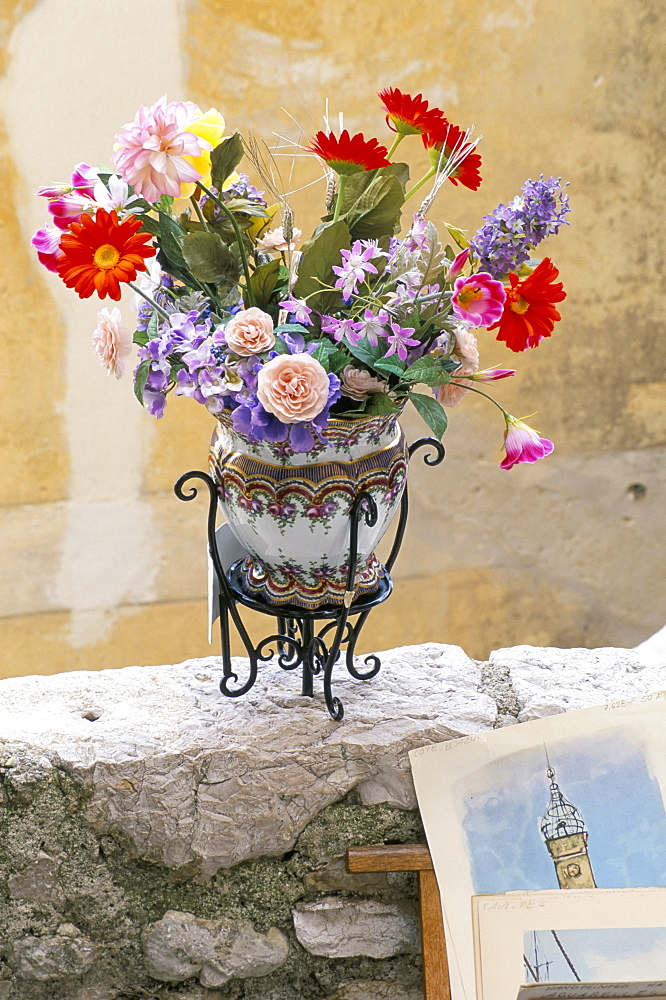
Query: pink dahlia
x=151, y=150
x=523, y=444
x=478, y=299
x=112, y=342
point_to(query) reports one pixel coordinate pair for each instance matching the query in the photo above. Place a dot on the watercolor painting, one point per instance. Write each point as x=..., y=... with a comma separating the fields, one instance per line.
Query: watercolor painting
x=593, y=955
x=581, y=813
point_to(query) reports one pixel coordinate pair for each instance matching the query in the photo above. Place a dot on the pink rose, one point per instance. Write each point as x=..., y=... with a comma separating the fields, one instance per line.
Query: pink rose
x=293, y=387
x=359, y=384
x=275, y=240
x=250, y=332
x=112, y=342
x=452, y=393
x=466, y=349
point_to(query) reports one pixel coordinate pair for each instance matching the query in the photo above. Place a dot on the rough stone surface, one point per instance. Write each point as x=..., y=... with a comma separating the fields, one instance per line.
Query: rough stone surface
x=176, y=769
x=340, y=928
x=179, y=947
x=335, y=877
x=127, y=795
x=548, y=680
x=373, y=989
x=65, y=954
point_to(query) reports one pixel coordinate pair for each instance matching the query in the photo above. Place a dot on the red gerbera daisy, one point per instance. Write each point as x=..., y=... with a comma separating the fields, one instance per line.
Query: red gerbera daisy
x=449, y=151
x=100, y=252
x=349, y=154
x=409, y=115
x=529, y=313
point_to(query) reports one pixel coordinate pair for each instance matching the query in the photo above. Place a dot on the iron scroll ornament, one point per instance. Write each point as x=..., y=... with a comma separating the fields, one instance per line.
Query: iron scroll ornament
x=299, y=641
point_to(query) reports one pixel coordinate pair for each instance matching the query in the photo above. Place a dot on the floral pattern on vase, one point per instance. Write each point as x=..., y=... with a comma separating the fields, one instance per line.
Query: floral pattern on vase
x=291, y=511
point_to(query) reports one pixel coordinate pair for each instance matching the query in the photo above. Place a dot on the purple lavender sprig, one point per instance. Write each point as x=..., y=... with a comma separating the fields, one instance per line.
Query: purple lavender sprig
x=512, y=230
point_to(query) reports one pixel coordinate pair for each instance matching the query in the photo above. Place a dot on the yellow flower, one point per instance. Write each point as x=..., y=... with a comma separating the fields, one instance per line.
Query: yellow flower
x=209, y=127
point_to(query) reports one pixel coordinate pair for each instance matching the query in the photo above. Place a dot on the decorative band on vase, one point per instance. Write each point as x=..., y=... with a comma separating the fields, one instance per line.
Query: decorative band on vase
x=291, y=583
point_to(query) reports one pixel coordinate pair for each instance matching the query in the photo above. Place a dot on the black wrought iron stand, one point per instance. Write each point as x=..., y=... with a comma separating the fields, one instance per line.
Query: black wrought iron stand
x=299, y=640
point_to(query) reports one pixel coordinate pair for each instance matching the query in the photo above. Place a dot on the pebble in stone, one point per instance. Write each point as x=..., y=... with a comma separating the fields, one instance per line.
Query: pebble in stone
x=5, y=988
x=375, y=989
x=339, y=928
x=38, y=881
x=66, y=953
x=334, y=877
x=181, y=946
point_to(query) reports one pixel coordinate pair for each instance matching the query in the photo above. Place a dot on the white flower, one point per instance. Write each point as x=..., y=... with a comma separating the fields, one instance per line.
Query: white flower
x=112, y=342
x=274, y=240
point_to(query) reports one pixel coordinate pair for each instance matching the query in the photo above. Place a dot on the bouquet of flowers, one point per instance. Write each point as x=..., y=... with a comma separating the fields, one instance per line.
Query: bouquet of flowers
x=236, y=315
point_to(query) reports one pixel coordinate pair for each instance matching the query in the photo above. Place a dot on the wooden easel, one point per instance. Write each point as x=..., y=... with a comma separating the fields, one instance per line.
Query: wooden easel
x=414, y=858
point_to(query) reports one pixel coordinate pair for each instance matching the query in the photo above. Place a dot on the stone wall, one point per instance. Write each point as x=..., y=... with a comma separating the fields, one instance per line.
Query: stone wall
x=108, y=569
x=159, y=840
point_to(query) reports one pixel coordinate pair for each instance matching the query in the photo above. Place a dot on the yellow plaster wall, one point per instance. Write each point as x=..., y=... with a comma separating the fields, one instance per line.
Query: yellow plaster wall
x=567, y=552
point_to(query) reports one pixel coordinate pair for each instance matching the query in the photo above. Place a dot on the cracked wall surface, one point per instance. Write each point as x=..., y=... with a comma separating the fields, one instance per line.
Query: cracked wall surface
x=104, y=566
x=156, y=836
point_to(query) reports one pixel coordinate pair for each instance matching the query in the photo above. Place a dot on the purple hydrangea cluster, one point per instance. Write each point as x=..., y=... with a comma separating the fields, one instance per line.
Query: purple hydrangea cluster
x=512, y=230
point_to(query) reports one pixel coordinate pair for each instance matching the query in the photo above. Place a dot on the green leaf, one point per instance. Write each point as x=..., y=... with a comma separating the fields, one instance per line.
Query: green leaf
x=426, y=370
x=170, y=256
x=149, y=225
x=320, y=253
x=291, y=328
x=209, y=258
x=391, y=364
x=140, y=379
x=458, y=236
x=225, y=158
x=245, y=207
x=264, y=281
x=140, y=337
x=379, y=402
x=366, y=353
x=431, y=411
x=321, y=354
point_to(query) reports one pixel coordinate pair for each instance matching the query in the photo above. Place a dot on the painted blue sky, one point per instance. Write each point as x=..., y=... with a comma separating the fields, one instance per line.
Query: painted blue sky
x=598, y=954
x=605, y=776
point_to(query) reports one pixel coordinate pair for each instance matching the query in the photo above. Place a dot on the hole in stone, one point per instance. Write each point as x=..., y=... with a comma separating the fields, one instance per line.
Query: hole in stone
x=92, y=715
x=637, y=491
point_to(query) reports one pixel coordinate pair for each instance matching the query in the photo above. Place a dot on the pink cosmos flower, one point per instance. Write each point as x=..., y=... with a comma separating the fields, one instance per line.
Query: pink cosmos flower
x=67, y=202
x=494, y=374
x=112, y=342
x=46, y=242
x=150, y=151
x=478, y=299
x=249, y=332
x=523, y=444
x=293, y=387
x=274, y=240
x=457, y=264
x=359, y=384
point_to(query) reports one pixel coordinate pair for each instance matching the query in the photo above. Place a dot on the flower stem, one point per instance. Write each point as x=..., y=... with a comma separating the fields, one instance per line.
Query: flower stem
x=197, y=209
x=396, y=142
x=148, y=298
x=419, y=184
x=481, y=393
x=239, y=240
x=338, y=201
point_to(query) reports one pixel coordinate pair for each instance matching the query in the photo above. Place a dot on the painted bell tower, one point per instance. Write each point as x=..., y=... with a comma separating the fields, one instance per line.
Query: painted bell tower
x=565, y=836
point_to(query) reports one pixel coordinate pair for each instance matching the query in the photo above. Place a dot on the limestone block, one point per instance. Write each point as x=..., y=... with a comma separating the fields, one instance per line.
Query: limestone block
x=343, y=928
x=334, y=877
x=187, y=775
x=548, y=680
x=375, y=989
x=38, y=881
x=44, y=959
x=181, y=946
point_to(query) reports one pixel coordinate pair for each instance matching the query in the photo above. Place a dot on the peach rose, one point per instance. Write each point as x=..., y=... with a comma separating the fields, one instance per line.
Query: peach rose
x=359, y=384
x=293, y=387
x=249, y=332
x=275, y=240
x=466, y=349
x=452, y=393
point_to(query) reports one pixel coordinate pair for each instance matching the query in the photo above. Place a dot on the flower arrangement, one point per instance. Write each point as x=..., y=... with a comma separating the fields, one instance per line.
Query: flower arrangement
x=348, y=325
